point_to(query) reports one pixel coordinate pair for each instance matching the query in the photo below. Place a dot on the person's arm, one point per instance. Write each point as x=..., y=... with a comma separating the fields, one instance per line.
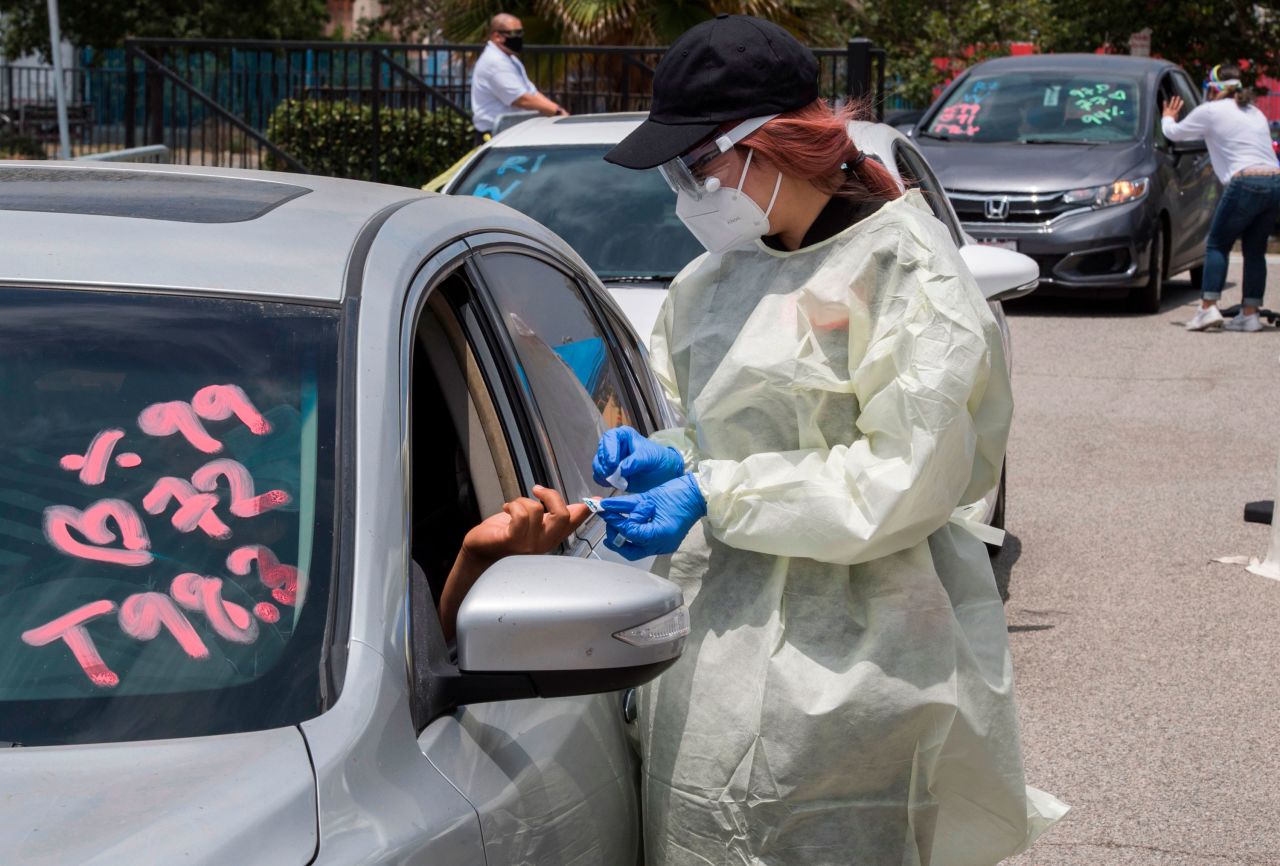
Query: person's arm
x=524, y=526
x=537, y=102
x=934, y=411
x=513, y=90
x=1190, y=128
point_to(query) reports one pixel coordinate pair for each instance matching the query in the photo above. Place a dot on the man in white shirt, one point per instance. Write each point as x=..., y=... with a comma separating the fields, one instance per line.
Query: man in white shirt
x=1239, y=142
x=499, y=83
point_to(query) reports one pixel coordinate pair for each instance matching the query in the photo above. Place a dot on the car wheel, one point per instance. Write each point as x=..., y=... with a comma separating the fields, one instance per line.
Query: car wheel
x=997, y=514
x=1147, y=297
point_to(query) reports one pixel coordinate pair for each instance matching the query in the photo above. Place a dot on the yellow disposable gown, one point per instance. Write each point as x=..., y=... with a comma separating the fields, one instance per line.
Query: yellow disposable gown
x=846, y=693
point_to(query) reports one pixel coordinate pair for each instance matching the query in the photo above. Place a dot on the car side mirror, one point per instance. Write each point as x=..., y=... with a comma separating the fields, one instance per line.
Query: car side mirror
x=1180, y=147
x=1001, y=274
x=548, y=626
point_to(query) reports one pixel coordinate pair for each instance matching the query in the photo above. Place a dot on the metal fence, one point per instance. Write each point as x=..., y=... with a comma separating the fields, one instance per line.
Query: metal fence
x=96, y=105
x=238, y=103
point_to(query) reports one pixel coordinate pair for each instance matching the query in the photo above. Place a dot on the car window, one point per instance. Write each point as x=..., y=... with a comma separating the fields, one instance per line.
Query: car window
x=1190, y=95
x=565, y=362
x=622, y=222
x=644, y=384
x=916, y=174
x=1173, y=84
x=453, y=480
x=1040, y=106
x=166, y=514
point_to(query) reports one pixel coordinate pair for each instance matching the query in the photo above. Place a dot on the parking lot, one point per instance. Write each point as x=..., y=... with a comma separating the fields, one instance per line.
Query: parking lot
x=1146, y=672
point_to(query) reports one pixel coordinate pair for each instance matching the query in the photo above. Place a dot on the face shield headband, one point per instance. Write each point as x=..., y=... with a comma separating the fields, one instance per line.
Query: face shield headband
x=684, y=173
x=1224, y=85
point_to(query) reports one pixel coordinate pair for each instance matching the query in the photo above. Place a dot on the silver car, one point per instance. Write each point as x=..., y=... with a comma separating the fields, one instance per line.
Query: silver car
x=247, y=420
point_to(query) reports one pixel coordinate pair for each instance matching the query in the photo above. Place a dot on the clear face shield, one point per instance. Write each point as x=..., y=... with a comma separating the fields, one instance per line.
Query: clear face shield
x=687, y=172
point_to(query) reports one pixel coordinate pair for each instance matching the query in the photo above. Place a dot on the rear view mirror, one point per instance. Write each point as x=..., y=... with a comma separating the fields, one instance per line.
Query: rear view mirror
x=1001, y=274
x=573, y=626
x=545, y=626
x=1181, y=147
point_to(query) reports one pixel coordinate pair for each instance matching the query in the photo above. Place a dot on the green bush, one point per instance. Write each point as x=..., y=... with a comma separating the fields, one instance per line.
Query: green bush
x=336, y=139
x=14, y=146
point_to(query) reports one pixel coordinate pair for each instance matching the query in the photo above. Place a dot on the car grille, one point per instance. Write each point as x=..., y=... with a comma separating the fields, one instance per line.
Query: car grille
x=971, y=207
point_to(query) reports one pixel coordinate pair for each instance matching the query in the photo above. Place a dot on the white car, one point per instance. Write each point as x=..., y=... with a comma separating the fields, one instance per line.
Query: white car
x=623, y=222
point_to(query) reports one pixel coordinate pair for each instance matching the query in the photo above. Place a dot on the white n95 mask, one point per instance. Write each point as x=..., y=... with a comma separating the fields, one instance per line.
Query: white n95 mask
x=725, y=219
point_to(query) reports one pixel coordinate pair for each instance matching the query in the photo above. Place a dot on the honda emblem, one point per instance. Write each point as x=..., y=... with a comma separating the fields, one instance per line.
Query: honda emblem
x=997, y=208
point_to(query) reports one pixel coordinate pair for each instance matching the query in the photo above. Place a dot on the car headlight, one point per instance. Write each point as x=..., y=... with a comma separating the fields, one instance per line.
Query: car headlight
x=1113, y=193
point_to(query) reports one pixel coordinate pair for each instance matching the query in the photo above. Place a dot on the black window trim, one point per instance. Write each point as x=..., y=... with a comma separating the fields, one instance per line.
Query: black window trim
x=490, y=243
x=906, y=153
x=435, y=684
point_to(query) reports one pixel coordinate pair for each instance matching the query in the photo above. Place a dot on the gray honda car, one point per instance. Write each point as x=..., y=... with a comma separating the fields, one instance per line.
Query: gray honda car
x=1061, y=157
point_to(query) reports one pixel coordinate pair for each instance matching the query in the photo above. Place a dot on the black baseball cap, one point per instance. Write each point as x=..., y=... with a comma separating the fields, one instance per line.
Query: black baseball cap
x=729, y=68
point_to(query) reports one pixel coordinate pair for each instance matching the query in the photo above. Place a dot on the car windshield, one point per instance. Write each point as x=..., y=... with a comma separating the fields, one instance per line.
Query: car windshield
x=1040, y=108
x=622, y=222
x=166, y=514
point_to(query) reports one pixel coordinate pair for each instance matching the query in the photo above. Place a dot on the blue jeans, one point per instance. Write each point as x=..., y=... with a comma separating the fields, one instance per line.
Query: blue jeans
x=1247, y=211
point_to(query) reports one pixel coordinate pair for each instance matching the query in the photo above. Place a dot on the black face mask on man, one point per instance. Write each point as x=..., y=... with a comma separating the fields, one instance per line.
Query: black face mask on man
x=514, y=43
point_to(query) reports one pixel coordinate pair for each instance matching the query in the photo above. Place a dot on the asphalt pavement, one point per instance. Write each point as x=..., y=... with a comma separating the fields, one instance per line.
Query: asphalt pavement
x=1148, y=676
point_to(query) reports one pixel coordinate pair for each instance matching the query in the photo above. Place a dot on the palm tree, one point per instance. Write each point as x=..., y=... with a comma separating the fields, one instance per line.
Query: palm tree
x=630, y=22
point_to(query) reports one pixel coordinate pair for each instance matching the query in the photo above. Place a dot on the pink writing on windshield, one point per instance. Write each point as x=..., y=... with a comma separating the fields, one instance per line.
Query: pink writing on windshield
x=92, y=524
x=165, y=419
x=194, y=508
x=220, y=402
x=231, y=621
x=143, y=614
x=92, y=465
x=958, y=119
x=112, y=531
x=243, y=502
x=212, y=403
x=70, y=628
x=281, y=579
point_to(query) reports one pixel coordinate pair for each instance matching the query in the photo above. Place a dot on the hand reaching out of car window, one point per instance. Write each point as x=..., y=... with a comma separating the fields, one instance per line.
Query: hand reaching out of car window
x=524, y=527
x=1173, y=107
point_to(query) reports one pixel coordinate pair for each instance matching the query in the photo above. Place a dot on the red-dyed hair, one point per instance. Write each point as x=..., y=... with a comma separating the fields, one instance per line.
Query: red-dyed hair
x=812, y=143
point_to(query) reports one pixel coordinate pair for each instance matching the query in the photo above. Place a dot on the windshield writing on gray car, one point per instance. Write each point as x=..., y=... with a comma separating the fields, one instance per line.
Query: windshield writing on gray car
x=1034, y=106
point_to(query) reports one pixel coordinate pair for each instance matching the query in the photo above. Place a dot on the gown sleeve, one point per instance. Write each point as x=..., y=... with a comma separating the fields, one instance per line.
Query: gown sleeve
x=920, y=386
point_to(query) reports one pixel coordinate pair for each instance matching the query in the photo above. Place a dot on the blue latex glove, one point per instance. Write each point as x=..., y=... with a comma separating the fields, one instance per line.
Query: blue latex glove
x=653, y=523
x=641, y=463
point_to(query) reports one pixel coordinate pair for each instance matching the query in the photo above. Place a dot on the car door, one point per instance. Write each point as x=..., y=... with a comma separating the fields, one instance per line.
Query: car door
x=1192, y=187
x=515, y=377
x=1201, y=187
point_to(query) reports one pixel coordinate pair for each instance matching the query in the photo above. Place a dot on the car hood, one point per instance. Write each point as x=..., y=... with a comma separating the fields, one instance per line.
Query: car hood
x=229, y=799
x=1017, y=168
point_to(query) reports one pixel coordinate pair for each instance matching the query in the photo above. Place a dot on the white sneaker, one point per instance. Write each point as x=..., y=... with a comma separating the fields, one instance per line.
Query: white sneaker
x=1243, y=323
x=1206, y=318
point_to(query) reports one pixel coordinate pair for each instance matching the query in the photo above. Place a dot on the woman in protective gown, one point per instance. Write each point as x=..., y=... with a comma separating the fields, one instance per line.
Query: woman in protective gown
x=846, y=692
